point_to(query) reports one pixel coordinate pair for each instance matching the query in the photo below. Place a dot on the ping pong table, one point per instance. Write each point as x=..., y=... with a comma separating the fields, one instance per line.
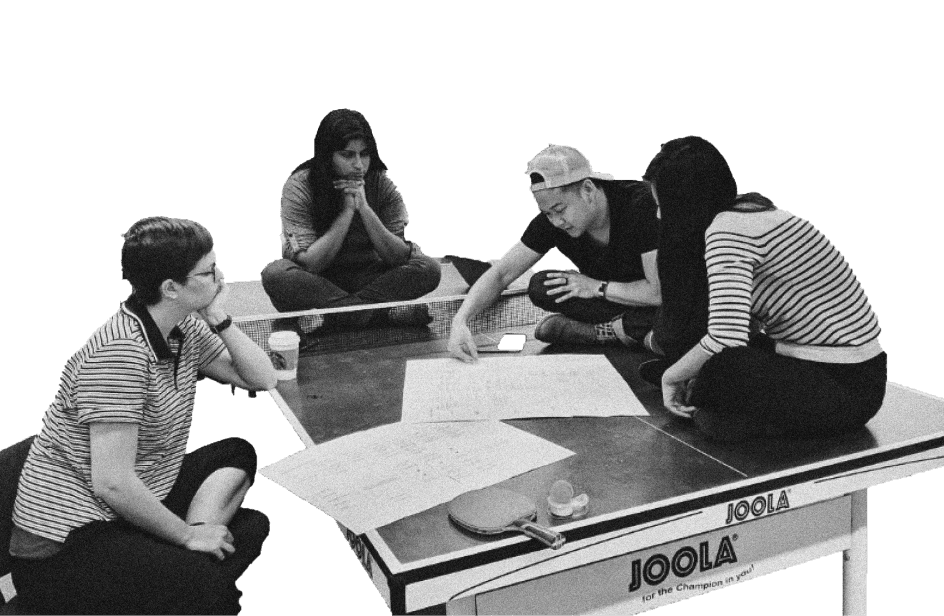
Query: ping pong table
x=671, y=515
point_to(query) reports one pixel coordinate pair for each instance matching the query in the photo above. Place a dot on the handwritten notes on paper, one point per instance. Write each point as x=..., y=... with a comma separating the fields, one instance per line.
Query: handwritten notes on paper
x=516, y=387
x=371, y=478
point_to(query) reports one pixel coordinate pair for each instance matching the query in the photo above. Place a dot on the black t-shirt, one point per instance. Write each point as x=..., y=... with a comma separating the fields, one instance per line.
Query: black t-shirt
x=634, y=231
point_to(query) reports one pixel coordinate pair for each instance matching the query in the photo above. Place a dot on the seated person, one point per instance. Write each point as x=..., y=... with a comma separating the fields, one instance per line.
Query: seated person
x=342, y=232
x=607, y=228
x=111, y=516
x=791, y=347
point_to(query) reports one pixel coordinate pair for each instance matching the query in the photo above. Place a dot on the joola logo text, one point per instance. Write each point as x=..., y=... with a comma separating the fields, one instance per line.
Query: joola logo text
x=683, y=563
x=761, y=505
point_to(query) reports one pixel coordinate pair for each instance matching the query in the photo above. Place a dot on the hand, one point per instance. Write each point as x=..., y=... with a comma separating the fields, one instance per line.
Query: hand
x=675, y=396
x=211, y=539
x=214, y=312
x=571, y=284
x=353, y=191
x=461, y=345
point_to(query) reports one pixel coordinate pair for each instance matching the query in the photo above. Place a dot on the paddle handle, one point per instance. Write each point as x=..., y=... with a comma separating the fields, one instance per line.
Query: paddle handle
x=548, y=537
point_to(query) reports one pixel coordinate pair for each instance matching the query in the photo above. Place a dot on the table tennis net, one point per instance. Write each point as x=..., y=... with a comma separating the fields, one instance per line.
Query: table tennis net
x=509, y=311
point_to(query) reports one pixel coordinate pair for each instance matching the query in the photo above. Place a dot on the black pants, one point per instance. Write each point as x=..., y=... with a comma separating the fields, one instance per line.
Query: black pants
x=751, y=391
x=116, y=568
x=637, y=320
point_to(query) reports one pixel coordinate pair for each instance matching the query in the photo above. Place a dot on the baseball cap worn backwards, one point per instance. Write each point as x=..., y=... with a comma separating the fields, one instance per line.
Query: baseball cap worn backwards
x=560, y=165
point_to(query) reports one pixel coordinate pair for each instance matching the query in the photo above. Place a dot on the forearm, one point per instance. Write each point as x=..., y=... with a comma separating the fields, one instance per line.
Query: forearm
x=250, y=362
x=321, y=254
x=127, y=495
x=391, y=248
x=635, y=293
x=483, y=294
x=688, y=366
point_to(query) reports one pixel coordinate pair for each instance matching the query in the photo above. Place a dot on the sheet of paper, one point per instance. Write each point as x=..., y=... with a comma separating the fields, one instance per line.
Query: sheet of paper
x=516, y=387
x=371, y=478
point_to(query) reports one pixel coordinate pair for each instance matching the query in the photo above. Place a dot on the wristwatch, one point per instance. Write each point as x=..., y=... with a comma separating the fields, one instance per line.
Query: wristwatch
x=222, y=325
x=602, y=289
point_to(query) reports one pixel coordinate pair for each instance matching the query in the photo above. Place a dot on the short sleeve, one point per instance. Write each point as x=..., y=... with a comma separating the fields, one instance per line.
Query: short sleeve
x=539, y=236
x=298, y=228
x=390, y=207
x=112, y=383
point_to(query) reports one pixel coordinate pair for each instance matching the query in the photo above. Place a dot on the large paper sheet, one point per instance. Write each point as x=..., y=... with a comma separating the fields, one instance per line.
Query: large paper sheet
x=516, y=387
x=378, y=476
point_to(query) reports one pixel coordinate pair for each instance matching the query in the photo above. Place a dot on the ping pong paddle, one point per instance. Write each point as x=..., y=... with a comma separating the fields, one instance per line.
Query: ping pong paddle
x=491, y=511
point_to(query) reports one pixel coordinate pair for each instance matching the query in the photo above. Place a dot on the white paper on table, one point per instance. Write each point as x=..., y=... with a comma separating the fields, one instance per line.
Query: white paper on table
x=371, y=478
x=516, y=387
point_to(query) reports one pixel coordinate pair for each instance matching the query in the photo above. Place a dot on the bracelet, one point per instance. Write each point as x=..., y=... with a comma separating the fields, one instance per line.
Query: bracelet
x=222, y=325
x=602, y=289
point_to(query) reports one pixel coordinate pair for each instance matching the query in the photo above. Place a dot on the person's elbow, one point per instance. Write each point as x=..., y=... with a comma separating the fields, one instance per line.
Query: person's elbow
x=107, y=486
x=268, y=381
x=263, y=378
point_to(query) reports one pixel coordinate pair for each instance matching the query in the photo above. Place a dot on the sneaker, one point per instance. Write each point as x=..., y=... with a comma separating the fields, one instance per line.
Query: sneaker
x=557, y=328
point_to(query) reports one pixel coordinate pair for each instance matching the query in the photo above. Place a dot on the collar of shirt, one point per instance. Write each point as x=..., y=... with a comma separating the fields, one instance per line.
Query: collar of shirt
x=134, y=307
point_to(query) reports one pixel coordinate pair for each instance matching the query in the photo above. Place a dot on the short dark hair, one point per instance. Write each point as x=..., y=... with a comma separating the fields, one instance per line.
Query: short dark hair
x=160, y=248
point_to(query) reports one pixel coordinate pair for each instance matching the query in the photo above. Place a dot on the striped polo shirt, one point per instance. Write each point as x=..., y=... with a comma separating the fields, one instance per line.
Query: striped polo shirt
x=774, y=271
x=125, y=373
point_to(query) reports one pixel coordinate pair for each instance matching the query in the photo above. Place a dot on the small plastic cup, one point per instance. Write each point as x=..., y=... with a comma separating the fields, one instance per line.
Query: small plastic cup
x=283, y=351
x=559, y=499
x=561, y=502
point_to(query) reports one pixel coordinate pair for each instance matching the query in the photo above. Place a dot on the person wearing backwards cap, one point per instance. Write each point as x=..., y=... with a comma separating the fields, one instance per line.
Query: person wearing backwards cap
x=608, y=228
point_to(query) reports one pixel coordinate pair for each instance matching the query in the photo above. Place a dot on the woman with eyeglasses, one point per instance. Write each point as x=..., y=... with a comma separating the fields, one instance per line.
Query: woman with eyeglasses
x=791, y=344
x=343, y=240
x=112, y=515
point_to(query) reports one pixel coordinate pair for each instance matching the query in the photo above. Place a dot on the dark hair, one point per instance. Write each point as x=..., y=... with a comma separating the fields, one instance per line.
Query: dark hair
x=336, y=130
x=160, y=248
x=693, y=183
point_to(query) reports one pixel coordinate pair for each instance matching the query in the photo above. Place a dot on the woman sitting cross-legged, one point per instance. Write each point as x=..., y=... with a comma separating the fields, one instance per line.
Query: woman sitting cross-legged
x=792, y=345
x=343, y=226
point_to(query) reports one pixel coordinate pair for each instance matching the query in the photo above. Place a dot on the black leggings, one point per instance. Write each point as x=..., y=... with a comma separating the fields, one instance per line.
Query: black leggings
x=751, y=391
x=116, y=568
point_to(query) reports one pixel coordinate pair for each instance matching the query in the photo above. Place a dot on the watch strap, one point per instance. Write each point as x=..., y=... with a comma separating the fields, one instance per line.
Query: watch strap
x=222, y=325
x=602, y=289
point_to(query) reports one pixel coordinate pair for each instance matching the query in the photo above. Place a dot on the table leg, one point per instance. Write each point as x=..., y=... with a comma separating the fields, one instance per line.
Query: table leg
x=855, y=559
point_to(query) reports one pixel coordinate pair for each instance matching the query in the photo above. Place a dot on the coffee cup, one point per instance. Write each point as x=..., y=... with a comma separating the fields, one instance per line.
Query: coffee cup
x=283, y=351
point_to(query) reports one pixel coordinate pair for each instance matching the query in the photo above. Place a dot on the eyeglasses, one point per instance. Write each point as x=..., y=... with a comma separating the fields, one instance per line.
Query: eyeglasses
x=211, y=272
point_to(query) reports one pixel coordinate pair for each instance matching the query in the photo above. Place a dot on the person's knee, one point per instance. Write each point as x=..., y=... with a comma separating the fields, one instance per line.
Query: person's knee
x=721, y=380
x=276, y=281
x=427, y=272
x=251, y=528
x=537, y=292
x=240, y=454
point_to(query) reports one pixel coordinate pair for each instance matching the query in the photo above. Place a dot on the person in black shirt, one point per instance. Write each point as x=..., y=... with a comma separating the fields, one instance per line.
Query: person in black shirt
x=608, y=228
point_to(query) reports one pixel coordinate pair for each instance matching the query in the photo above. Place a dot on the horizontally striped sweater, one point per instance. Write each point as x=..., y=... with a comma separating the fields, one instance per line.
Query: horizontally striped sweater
x=781, y=272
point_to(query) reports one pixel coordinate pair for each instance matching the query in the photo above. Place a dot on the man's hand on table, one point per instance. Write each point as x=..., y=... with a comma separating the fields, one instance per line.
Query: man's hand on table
x=461, y=345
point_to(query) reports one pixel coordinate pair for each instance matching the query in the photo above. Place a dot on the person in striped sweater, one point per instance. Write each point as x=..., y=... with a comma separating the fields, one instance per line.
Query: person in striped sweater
x=112, y=516
x=792, y=344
